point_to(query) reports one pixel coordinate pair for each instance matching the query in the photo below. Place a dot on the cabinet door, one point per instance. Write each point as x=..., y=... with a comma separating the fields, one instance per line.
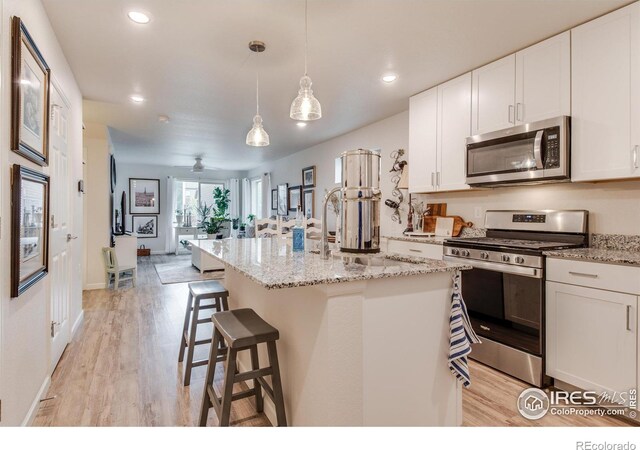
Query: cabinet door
x=543, y=80
x=493, y=105
x=591, y=337
x=423, y=109
x=454, y=126
x=605, y=77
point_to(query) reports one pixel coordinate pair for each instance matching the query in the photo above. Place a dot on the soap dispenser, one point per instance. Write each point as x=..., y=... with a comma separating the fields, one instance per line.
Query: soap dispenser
x=298, y=232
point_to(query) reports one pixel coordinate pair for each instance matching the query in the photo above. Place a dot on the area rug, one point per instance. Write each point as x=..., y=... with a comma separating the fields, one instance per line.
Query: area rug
x=180, y=270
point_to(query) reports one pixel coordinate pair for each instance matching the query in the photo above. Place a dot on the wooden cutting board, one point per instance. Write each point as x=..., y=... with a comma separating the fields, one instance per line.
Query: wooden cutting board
x=429, y=224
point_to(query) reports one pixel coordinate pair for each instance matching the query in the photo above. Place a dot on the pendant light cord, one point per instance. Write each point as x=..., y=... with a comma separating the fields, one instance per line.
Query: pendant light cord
x=306, y=38
x=257, y=86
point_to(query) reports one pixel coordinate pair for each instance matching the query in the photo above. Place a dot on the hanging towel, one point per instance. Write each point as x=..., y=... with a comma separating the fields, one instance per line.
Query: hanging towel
x=461, y=334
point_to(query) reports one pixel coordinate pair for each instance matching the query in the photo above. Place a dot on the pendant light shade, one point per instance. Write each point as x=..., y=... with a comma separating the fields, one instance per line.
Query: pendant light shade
x=257, y=136
x=305, y=106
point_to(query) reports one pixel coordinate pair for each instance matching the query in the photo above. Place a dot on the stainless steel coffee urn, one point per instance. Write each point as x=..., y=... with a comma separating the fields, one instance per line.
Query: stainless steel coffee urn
x=359, y=199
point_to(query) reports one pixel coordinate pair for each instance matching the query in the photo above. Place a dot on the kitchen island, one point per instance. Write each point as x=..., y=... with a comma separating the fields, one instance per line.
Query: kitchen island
x=360, y=344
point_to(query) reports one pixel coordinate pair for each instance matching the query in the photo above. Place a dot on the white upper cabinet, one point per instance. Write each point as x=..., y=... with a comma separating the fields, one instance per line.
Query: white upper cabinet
x=423, y=111
x=454, y=126
x=605, y=124
x=493, y=96
x=543, y=80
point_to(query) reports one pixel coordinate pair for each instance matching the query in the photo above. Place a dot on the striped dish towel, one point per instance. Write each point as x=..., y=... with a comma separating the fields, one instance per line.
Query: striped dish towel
x=461, y=334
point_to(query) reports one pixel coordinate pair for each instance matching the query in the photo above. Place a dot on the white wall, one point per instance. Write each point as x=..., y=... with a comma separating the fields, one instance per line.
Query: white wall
x=96, y=194
x=126, y=171
x=24, y=321
x=388, y=135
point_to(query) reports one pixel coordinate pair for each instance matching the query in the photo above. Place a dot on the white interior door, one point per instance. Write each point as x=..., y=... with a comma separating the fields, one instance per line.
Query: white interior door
x=60, y=230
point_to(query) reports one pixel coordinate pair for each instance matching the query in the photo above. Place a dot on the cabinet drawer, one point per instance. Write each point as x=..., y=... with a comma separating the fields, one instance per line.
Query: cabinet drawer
x=420, y=249
x=610, y=277
x=185, y=230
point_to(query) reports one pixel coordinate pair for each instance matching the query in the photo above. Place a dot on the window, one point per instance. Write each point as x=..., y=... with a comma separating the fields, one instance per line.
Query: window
x=256, y=197
x=192, y=194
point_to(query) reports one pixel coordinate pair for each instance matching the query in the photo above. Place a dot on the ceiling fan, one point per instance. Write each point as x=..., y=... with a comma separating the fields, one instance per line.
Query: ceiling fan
x=198, y=167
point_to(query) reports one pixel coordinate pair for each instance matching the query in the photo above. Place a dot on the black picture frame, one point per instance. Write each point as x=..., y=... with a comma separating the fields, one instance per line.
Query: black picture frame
x=283, y=199
x=136, y=204
x=293, y=192
x=112, y=173
x=140, y=218
x=274, y=199
x=309, y=177
x=29, y=228
x=30, y=96
x=308, y=203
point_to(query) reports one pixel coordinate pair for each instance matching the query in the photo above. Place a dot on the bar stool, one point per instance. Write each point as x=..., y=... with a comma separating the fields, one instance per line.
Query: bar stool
x=242, y=329
x=198, y=291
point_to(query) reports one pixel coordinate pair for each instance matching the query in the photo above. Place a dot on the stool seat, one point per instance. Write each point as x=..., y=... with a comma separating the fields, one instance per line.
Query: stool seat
x=206, y=288
x=243, y=328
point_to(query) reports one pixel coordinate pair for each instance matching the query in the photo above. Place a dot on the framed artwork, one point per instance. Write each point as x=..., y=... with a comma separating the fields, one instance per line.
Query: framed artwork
x=29, y=228
x=145, y=226
x=144, y=196
x=29, y=96
x=274, y=199
x=112, y=173
x=295, y=197
x=309, y=177
x=283, y=199
x=309, y=202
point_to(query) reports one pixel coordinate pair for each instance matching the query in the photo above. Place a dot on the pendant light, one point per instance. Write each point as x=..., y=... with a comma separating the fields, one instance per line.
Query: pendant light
x=305, y=106
x=257, y=136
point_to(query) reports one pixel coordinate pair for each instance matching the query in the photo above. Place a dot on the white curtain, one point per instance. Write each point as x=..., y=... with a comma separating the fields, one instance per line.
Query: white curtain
x=266, y=194
x=170, y=243
x=234, y=197
x=246, y=198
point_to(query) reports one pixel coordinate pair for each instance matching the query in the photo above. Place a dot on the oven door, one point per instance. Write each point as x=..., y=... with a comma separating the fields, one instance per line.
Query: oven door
x=505, y=303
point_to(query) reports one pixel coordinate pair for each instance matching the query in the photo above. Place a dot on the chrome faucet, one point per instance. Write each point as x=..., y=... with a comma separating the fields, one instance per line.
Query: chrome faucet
x=325, y=252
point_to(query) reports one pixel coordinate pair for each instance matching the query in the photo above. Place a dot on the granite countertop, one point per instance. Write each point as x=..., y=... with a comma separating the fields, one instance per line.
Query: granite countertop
x=271, y=263
x=438, y=240
x=600, y=255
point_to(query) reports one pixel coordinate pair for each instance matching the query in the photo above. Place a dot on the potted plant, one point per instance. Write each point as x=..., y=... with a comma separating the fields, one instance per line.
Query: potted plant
x=251, y=229
x=219, y=213
x=212, y=227
x=179, y=217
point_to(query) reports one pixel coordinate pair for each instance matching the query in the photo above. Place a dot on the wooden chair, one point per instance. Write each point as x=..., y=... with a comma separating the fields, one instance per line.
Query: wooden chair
x=286, y=227
x=112, y=269
x=267, y=227
x=313, y=227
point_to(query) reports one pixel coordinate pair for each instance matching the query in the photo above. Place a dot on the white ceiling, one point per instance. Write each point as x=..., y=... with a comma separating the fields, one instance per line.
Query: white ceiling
x=192, y=64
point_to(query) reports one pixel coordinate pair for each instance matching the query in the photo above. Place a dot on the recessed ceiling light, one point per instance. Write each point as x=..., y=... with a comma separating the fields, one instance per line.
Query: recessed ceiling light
x=301, y=124
x=389, y=78
x=137, y=98
x=138, y=17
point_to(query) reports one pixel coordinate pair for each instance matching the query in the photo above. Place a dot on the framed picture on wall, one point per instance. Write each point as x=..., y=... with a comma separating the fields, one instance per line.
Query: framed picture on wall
x=29, y=97
x=283, y=199
x=145, y=226
x=309, y=202
x=144, y=196
x=309, y=177
x=29, y=229
x=274, y=199
x=295, y=197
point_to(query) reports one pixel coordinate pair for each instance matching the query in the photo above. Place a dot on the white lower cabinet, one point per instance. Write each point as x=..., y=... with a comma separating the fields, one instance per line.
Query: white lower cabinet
x=591, y=337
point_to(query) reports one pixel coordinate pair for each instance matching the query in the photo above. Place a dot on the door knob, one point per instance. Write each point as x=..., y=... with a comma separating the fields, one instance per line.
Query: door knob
x=69, y=237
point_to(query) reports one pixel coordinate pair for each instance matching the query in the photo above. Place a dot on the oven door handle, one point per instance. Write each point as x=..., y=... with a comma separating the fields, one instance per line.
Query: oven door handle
x=537, y=149
x=530, y=272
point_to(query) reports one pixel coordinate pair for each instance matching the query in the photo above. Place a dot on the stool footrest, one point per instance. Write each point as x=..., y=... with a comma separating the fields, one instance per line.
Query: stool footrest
x=202, y=362
x=208, y=320
x=267, y=388
x=203, y=341
x=252, y=374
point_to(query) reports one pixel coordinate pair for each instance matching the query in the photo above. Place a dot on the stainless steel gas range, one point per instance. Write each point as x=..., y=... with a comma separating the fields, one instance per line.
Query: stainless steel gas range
x=504, y=292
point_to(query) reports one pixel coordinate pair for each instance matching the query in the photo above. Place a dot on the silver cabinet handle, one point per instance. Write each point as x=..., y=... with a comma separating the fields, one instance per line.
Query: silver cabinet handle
x=635, y=156
x=438, y=178
x=581, y=274
x=628, y=317
x=433, y=183
x=511, y=114
x=537, y=149
x=414, y=250
x=70, y=238
x=519, y=111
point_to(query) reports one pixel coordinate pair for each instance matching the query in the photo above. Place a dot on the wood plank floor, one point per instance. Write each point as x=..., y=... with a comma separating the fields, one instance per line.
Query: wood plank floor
x=121, y=369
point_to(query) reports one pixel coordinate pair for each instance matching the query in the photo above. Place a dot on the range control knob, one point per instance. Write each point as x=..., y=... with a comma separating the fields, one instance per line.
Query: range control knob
x=506, y=258
x=484, y=255
x=464, y=253
x=455, y=251
x=519, y=260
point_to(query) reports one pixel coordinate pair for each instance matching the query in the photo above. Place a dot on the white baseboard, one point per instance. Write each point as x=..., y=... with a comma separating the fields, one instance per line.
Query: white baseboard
x=33, y=410
x=94, y=286
x=77, y=324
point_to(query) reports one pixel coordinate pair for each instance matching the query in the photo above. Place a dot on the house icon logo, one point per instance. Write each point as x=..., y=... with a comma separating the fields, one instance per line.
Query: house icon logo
x=533, y=403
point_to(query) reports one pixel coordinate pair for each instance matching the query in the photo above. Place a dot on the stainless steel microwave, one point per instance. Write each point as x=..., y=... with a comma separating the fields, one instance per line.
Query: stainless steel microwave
x=532, y=153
